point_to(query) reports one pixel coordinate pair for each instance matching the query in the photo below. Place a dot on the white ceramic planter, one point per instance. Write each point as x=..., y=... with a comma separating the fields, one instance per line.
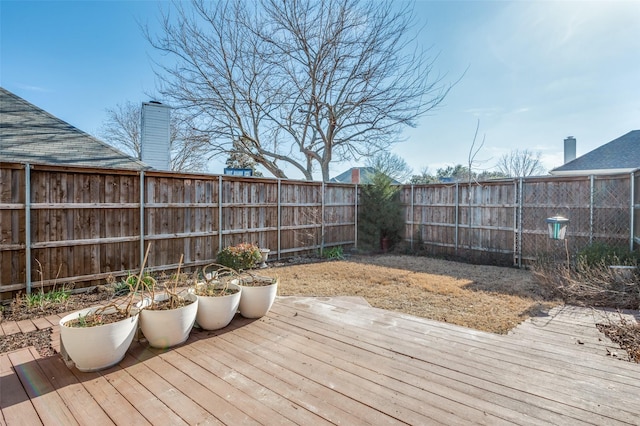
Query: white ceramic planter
x=264, y=253
x=256, y=301
x=216, y=312
x=99, y=347
x=166, y=328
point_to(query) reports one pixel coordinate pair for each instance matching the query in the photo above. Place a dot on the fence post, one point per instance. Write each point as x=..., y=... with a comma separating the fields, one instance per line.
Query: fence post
x=457, y=199
x=141, y=197
x=219, y=213
x=520, y=225
x=355, y=188
x=632, y=200
x=515, y=223
x=279, y=216
x=591, y=201
x=411, y=219
x=322, y=212
x=27, y=226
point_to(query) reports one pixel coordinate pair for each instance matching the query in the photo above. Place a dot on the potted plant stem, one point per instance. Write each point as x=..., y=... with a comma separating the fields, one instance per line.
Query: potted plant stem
x=166, y=319
x=258, y=294
x=218, y=297
x=98, y=338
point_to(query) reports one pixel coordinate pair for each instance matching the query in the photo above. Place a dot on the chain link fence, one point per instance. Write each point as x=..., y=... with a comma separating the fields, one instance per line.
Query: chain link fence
x=504, y=221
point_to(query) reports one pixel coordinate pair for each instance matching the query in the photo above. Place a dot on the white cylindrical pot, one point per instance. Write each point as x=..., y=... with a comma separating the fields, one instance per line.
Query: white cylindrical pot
x=166, y=328
x=256, y=301
x=216, y=312
x=99, y=347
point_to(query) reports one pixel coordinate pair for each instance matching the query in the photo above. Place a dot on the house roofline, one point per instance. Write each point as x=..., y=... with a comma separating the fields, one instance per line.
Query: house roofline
x=591, y=172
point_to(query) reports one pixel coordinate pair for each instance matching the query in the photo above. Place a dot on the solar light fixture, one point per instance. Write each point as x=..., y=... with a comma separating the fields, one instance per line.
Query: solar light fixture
x=557, y=227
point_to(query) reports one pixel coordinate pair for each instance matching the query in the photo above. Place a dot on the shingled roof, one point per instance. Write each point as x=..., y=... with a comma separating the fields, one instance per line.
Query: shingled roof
x=29, y=134
x=621, y=155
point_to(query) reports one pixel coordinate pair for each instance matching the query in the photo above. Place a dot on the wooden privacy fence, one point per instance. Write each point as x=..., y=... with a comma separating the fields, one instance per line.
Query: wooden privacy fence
x=79, y=225
x=505, y=221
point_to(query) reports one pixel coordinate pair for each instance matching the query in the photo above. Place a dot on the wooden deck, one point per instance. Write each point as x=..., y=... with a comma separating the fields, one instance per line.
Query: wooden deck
x=336, y=360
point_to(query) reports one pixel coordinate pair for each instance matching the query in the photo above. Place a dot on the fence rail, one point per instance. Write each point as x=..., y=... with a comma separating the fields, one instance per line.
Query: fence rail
x=81, y=225
x=505, y=221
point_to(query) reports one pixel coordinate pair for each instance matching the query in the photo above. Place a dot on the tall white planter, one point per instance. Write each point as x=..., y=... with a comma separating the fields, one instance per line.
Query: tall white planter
x=256, y=301
x=166, y=328
x=99, y=347
x=216, y=312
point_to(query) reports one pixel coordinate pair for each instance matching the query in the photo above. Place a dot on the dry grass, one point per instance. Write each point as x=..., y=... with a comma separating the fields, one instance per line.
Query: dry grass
x=488, y=298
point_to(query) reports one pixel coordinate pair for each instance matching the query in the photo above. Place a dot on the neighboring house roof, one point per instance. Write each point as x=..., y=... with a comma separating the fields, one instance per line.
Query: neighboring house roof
x=621, y=155
x=360, y=175
x=355, y=175
x=29, y=134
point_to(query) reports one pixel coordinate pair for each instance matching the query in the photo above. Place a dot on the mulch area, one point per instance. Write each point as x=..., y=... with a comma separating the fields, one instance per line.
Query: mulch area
x=625, y=334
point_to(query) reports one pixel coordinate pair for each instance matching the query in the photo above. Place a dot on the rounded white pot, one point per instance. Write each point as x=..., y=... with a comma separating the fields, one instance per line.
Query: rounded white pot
x=215, y=312
x=166, y=328
x=256, y=301
x=99, y=347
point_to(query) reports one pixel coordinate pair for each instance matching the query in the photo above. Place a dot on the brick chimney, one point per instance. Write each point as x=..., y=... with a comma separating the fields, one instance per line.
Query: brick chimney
x=355, y=175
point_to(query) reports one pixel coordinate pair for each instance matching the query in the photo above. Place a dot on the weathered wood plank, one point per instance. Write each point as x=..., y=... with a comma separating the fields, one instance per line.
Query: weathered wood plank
x=144, y=401
x=15, y=404
x=119, y=410
x=50, y=407
x=520, y=377
x=189, y=411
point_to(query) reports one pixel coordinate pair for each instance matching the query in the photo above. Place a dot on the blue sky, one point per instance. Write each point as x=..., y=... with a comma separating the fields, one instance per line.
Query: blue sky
x=536, y=71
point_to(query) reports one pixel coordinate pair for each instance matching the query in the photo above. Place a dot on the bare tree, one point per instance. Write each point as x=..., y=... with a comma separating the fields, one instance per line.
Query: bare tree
x=423, y=178
x=391, y=165
x=299, y=82
x=521, y=163
x=188, y=147
x=121, y=129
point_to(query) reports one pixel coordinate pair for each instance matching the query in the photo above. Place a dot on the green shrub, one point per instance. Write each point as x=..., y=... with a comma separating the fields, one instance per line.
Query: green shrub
x=380, y=213
x=601, y=253
x=333, y=253
x=41, y=299
x=239, y=257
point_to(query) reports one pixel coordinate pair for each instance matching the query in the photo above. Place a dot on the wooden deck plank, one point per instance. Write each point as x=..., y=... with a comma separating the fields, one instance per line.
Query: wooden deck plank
x=334, y=360
x=437, y=368
x=54, y=319
x=610, y=363
x=418, y=398
x=523, y=377
x=500, y=344
x=450, y=384
x=10, y=327
x=391, y=370
x=404, y=409
x=116, y=406
x=26, y=326
x=294, y=387
x=41, y=323
x=84, y=407
x=180, y=404
x=16, y=407
x=145, y=401
x=257, y=403
x=50, y=407
x=219, y=407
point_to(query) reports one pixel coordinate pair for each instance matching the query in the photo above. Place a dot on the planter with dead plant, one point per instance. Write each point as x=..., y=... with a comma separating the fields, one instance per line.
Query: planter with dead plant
x=218, y=296
x=168, y=314
x=258, y=294
x=97, y=338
